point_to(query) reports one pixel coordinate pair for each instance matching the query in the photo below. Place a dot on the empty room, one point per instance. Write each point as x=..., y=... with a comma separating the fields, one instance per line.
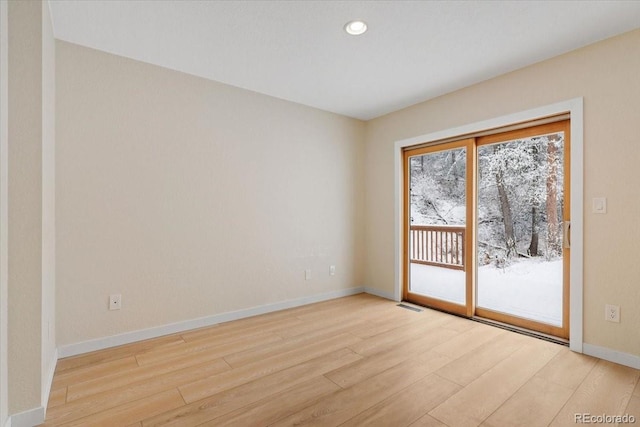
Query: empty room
x=331, y=213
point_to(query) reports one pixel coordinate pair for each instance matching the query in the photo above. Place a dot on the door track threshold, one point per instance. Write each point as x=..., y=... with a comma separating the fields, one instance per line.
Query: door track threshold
x=523, y=331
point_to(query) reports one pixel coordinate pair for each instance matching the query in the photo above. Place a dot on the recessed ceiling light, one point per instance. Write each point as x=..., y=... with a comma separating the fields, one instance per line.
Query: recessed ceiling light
x=355, y=28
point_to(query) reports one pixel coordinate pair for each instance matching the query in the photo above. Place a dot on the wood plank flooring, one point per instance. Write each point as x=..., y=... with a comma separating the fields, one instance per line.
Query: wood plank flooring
x=353, y=361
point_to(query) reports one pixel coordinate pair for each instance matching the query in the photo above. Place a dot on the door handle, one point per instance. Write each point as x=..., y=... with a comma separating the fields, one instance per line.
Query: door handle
x=566, y=235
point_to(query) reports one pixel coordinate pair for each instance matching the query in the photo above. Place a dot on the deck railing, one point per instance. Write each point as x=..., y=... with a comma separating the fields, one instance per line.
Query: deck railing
x=439, y=245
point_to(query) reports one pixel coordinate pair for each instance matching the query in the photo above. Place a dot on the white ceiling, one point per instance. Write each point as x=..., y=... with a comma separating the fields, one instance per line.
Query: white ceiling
x=298, y=51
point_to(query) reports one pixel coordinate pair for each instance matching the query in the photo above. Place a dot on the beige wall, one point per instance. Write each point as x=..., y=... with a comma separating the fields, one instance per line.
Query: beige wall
x=192, y=198
x=4, y=118
x=30, y=149
x=25, y=204
x=606, y=75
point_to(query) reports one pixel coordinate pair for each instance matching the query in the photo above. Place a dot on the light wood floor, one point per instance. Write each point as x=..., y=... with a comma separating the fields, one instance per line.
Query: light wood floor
x=352, y=361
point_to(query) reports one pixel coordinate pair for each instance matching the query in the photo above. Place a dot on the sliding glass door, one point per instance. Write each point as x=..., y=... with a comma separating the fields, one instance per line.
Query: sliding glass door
x=487, y=227
x=437, y=229
x=523, y=207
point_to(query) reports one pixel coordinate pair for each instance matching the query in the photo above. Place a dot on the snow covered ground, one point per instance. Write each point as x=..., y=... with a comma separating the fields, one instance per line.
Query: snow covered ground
x=529, y=288
x=437, y=282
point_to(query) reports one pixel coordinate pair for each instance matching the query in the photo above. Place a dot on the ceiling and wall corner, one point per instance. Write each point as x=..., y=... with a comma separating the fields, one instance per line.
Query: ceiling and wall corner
x=297, y=50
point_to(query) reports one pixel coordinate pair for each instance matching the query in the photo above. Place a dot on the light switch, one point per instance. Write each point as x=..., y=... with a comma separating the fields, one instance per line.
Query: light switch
x=599, y=205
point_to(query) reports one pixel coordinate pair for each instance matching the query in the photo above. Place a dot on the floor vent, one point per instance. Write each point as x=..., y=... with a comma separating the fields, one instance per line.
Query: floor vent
x=408, y=307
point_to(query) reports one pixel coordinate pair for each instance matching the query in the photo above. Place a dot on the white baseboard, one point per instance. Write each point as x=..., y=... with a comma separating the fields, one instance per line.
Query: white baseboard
x=608, y=354
x=145, y=334
x=30, y=418
x=626, y=359
x=381, y=294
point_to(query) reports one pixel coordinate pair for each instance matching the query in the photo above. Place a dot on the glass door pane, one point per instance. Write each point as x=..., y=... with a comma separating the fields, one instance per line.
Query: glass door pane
x=437, y=225
x=520, y=203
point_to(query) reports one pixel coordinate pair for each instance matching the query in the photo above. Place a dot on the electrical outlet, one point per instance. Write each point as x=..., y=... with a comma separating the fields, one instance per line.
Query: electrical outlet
x=307, y=274
x=115, y=302
x=332, y=270
x=612, y=313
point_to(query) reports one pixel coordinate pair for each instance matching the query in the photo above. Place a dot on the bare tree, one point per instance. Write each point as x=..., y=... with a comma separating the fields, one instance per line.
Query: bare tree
x=553, y=230
x=505, y=208
x=535, y=216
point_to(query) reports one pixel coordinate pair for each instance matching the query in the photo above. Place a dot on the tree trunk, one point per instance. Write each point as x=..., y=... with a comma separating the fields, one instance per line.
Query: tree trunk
x=535, y=217
x=533, y=246
x=553, y=231
x=507, y=219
